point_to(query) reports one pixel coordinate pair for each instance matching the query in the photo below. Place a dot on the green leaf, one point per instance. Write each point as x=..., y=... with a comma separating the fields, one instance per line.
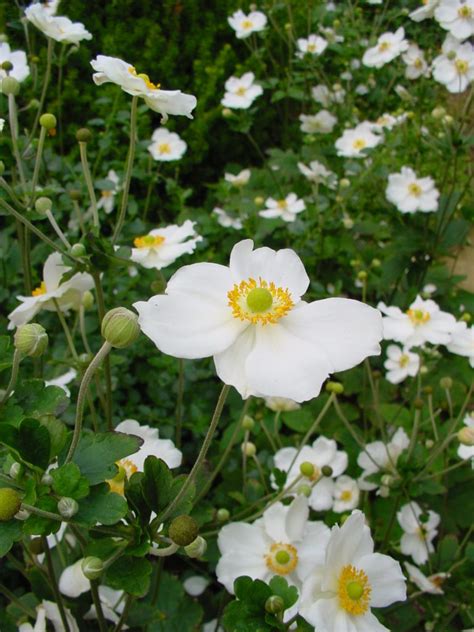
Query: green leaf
x=10, y=532
x=57, y=433
x=280, y=587
x=30, y=442
x=102, y=506
x=67, y=481
x=37, y=400
x=36, y=525
x=156, y=484
x=131, y=574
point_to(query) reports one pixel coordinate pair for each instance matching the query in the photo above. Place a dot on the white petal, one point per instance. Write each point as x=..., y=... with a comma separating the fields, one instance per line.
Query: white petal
x=73, y=582
x=386, y=579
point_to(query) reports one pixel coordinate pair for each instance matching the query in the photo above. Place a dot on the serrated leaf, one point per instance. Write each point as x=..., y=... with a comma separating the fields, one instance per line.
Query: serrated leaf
x=68, y=481
x=101, y=506
x=36, y=525
x=131, y=574
x=30, y=442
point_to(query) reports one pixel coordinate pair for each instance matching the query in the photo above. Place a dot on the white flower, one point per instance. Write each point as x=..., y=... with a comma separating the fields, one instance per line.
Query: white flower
x=316, y=172
x=112, y=602
x=226, y=220
x=431, y=584
x=354, y=142
x=314, y=45
x=114, y=70
x=346, y=494
x=388, y=47
x=331, y=35
x=457, y=17
x=241, y=92
x=238, y=180
x=244, y=25
x=378, y=457
x=2, y=121
x=162, y=246
x=59, y=28
x=72, y=581
x=454, y=68
x=339, y=594
x=415, y=61
x=281, y=404
x=462, y=341
x=321, y=123
x=426, y=10
x=422, y=322
x=166, y=146
x=282, y=542
x=321, y=94
x=63, y=380
x=68, y=295
x=287, y=209
x=410, y=193
x=322, y=453
x=467, y=451
x=400, y=364
x=49, y=610
x=17, y=58
x=361, y=89
x=107, y=196
x=212, y=626
x=250, y=317
x=418, y=535
x=388, y=121
x=195, y=585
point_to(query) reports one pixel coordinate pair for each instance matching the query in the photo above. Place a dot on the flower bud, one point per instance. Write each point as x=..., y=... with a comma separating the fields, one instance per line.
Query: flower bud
x=446, y=383
x=36, y=546
x=197, y=548
x=222, y=515
x=429, y=443
x=120, y=327
x=427, y=390
x=34, y=104
x=326, y=470
x=466, y=436
x=307, y=469
x=334, y=387
x=274, y=604
x=7, y=66
x=78, y=250
x=43, y=205
x=158, y=286
x=438, y=112
x=92, y=567
x=344, y=183
x=31, y=340
x=87, y=299
x=48, y=121
x=227, y=112
x=67, y=507
x=248, y=423
x=304, y=490
x=183, y=530
x=466, y=317
x=74, y=194
x=22, y=514
x=10, y=503
x=16, y=470
x=387, y=480
x=10, y=86
x=249, y=449
x=418, y=403
x=83, y=135
x=259, y=200
x=362, y=275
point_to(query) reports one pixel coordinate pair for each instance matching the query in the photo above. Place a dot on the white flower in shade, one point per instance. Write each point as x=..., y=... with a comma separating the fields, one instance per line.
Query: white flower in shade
x=400, y=364
x=416, y=65
x=250, y=317
x=195, y=585
x=162, y=246
x=225, y=220
x=241, y=92
x=331, y=35
x=321, y=123
x=72, y=581
x=112, y=602
x=316, y=172
x=381, y=457
x=467, y=451
x=49, y=610
x=282, y=542
x=422, y=322
x=114, y=70
x=354, y=142
x=462, y=341
x=286, y=209
x=107, y=196
x=313, y=45
x=457, y=17
x=346, y=494
x=166, y=146
x=454, y=68
x=339, y=594
x=68, y=295
x=322, y=453
x=388, y=47
x=281, y=404
x=152, y=445
x=431, y=584
x=418, y=536
x=58, y=28
x=17, y=58
x=424, y=12
x=244, y=25
x=63, y=380
x=321, y=94
x=410, y=193
x=238, y=180
x=388, y=121
x=361, y=89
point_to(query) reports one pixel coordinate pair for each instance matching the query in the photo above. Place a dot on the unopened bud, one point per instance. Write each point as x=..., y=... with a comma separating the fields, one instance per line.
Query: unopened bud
x=120, y=327
x=466, y=436
x=307, y=469
x=183, y=530
x=429, y=443
x=16, y=469
x=326, y=470
x=10, y=503
x=418, y=403
x=448, y=119
x=304, y=490
x=67, y=507
x=376, y=263
x=31, y=340
x=427, y=390
x=222, y=515
x=36, y=546
x=451, y=55
x=466, y=317
x=259, y=200
x=362, y=275
x=438, y=112
x=197, y=548
x=248, y=423
x=74, y=194
x=10, y=86
x=87, y=299
x=83, y=135
x=274, y=604
x=334, y=387
x=249, y=448
x=446, y=383
x=48, y=121
x=227, y=112
x=387, y=480
x=43, y=205
x=78, y=250
x=7, y=66
x=92, y=567
x=344, y=183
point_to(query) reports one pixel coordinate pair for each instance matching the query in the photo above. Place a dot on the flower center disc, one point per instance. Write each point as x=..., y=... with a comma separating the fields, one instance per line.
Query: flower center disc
x=359, y=143
x=260, y=302
x=40, y=290
x=415, y=189
x=418, y=316
x=282, y=558
x=354, y=590
x=148, y=241
x=149, y=84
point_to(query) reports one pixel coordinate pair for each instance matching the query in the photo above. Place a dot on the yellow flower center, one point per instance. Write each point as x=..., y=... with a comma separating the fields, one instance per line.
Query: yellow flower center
x=41, y=289
x=241, y=92
x=164, y=148
x=359, y=144
x=282, y=204
x=383, y=46
x=126, y=469
x=282, y=558
x=148, y=241
x=465, y=12
x=418, y=316
x=418, y=63
x=404, y=360
x=146, y=79
x=415, y=189
x=106, y=193
x=461, y=66
x=260, y=302
x=247, y=24
x=346, y=495
x=354, y=590
x=311, y=48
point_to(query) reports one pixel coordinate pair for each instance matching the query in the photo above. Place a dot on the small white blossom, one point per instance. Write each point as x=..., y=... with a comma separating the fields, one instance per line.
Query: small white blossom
x=400, y=364
x=195, y=585
x=241, y=92
x=244, y=25
x=58, y=28
x=467, y=451
x=313, y=45
x=225, y=220
x=410, y=193
x=321, y=123
x=166, y=146
x=238, y=180
x=380, y=457
x=418, y=536
x=354, y=142
x=162, y=246
x=416, y=65
x=424, y=12
x=388, y=47
x=286, y=209
x=457, y=17
x=462, y=341
x=17, y=58
x=431, y=584
x=346, y=494
x=454, y=68
x=316, y=172
x=107, y=196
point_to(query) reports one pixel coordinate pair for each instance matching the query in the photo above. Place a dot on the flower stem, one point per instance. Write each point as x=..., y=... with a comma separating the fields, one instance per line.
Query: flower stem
x=14, y=376
x=90, y=187
x=39, y=155
x=123, y=617
x=49, y=515
x=98, y=606
x=108, y=376
x=12, y=117
x=179, y=403
x=54, y=584
x=47, y=75
x=19, y=604
x=57, y=230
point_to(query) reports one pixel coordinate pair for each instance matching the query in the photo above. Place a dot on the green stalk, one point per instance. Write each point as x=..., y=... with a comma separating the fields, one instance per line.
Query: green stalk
x=39, y=155
x=128, y=172
x=108, y=375
x=98, y=606
x=57, y=230
x=14, y=375
x=88, y=178
x=12, y=117
x=49, y=515
x=179, y=403
x=54, y=584
x=47, y=75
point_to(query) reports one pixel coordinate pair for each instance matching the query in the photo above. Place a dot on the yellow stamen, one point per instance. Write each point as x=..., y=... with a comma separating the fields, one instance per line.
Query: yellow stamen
x=164, y=148
x=461, y=66
x=247, y=24
x=282, y=558
x=346, y=495
x=359, y=144
x=149, y=84
x=415, y=189
x=282, y=204
x=126, y=469
x=311, y=48
x=418, y=316
x=148, y=241
x=280, y=305
x=384, y=46
x=418, y=63
x=41, y=289
x=404, y=360
x=465, y=12
x=106, y=194
x=354, y=590
x=241, y=92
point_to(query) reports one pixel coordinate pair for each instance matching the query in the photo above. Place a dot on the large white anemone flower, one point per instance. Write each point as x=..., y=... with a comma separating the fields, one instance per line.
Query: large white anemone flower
x=462, y=341
x=58, y=28
x=244, y=25
x=17, y=58
x=241, y=92
x=339, y=594
x=457, y=17
x=166, y=146
x=381, y=457
x=410, y=193
x=114, y=70
x=68, y=295
x=388, y=47
x=265, y=340
x=420, y=529
x=162, y=246
x=282, y=542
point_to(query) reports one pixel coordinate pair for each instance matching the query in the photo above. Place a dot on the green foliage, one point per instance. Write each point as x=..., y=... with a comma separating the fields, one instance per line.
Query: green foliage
x=131, y=574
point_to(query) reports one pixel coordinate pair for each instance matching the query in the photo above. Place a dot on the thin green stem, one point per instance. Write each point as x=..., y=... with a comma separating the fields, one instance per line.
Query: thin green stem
x=432, y=418
x=123, y=617
x=49, y=515
x=107, y=371
x=88, y=178
x=128, y=171
x=14, y=375
x=67, y=331
x=47, y=75
x=260, y=471
x=39, y=156
x=414, y=434
x=12, y=117
x=19, y=604
x=57, y=230
x=82, y=328
x=98, y=606
x=54, y=584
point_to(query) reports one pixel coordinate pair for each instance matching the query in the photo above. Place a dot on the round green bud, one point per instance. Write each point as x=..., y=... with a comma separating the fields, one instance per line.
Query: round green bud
x=304, y=490
x=344, y=183
x=34, y=104
x=87, y=299
x=427, y=390
x=429, y=443
x=451, y=55
x=2, y=167
x=222, y=515
x=197, y=548
x=43, y=205
x=10, y=86
x=67, y=507
x=78, y=250
x=259, y=200
x=376, y=374
x=31, y=340
x=438, y=112
x=16, y=470
x=120, y=327
x=227, y=112
x=466, y=317
x=355, y=263
x=326, y=470
x=92, y=567
x=7, y=66
x=362, y=275
x=36, y=546
x=158, y=286
x=248, y=423
x=387, y=480
x=307, y=469
x=376, y=263
x=249, y=449
x=10, y=503
x=83, y=135
x=446, y=383
x=74, y=194
x=48, y=121
x=334, y=387
x=466, y=436
x=418, y=403
x=183, y=530
x=274, y=604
